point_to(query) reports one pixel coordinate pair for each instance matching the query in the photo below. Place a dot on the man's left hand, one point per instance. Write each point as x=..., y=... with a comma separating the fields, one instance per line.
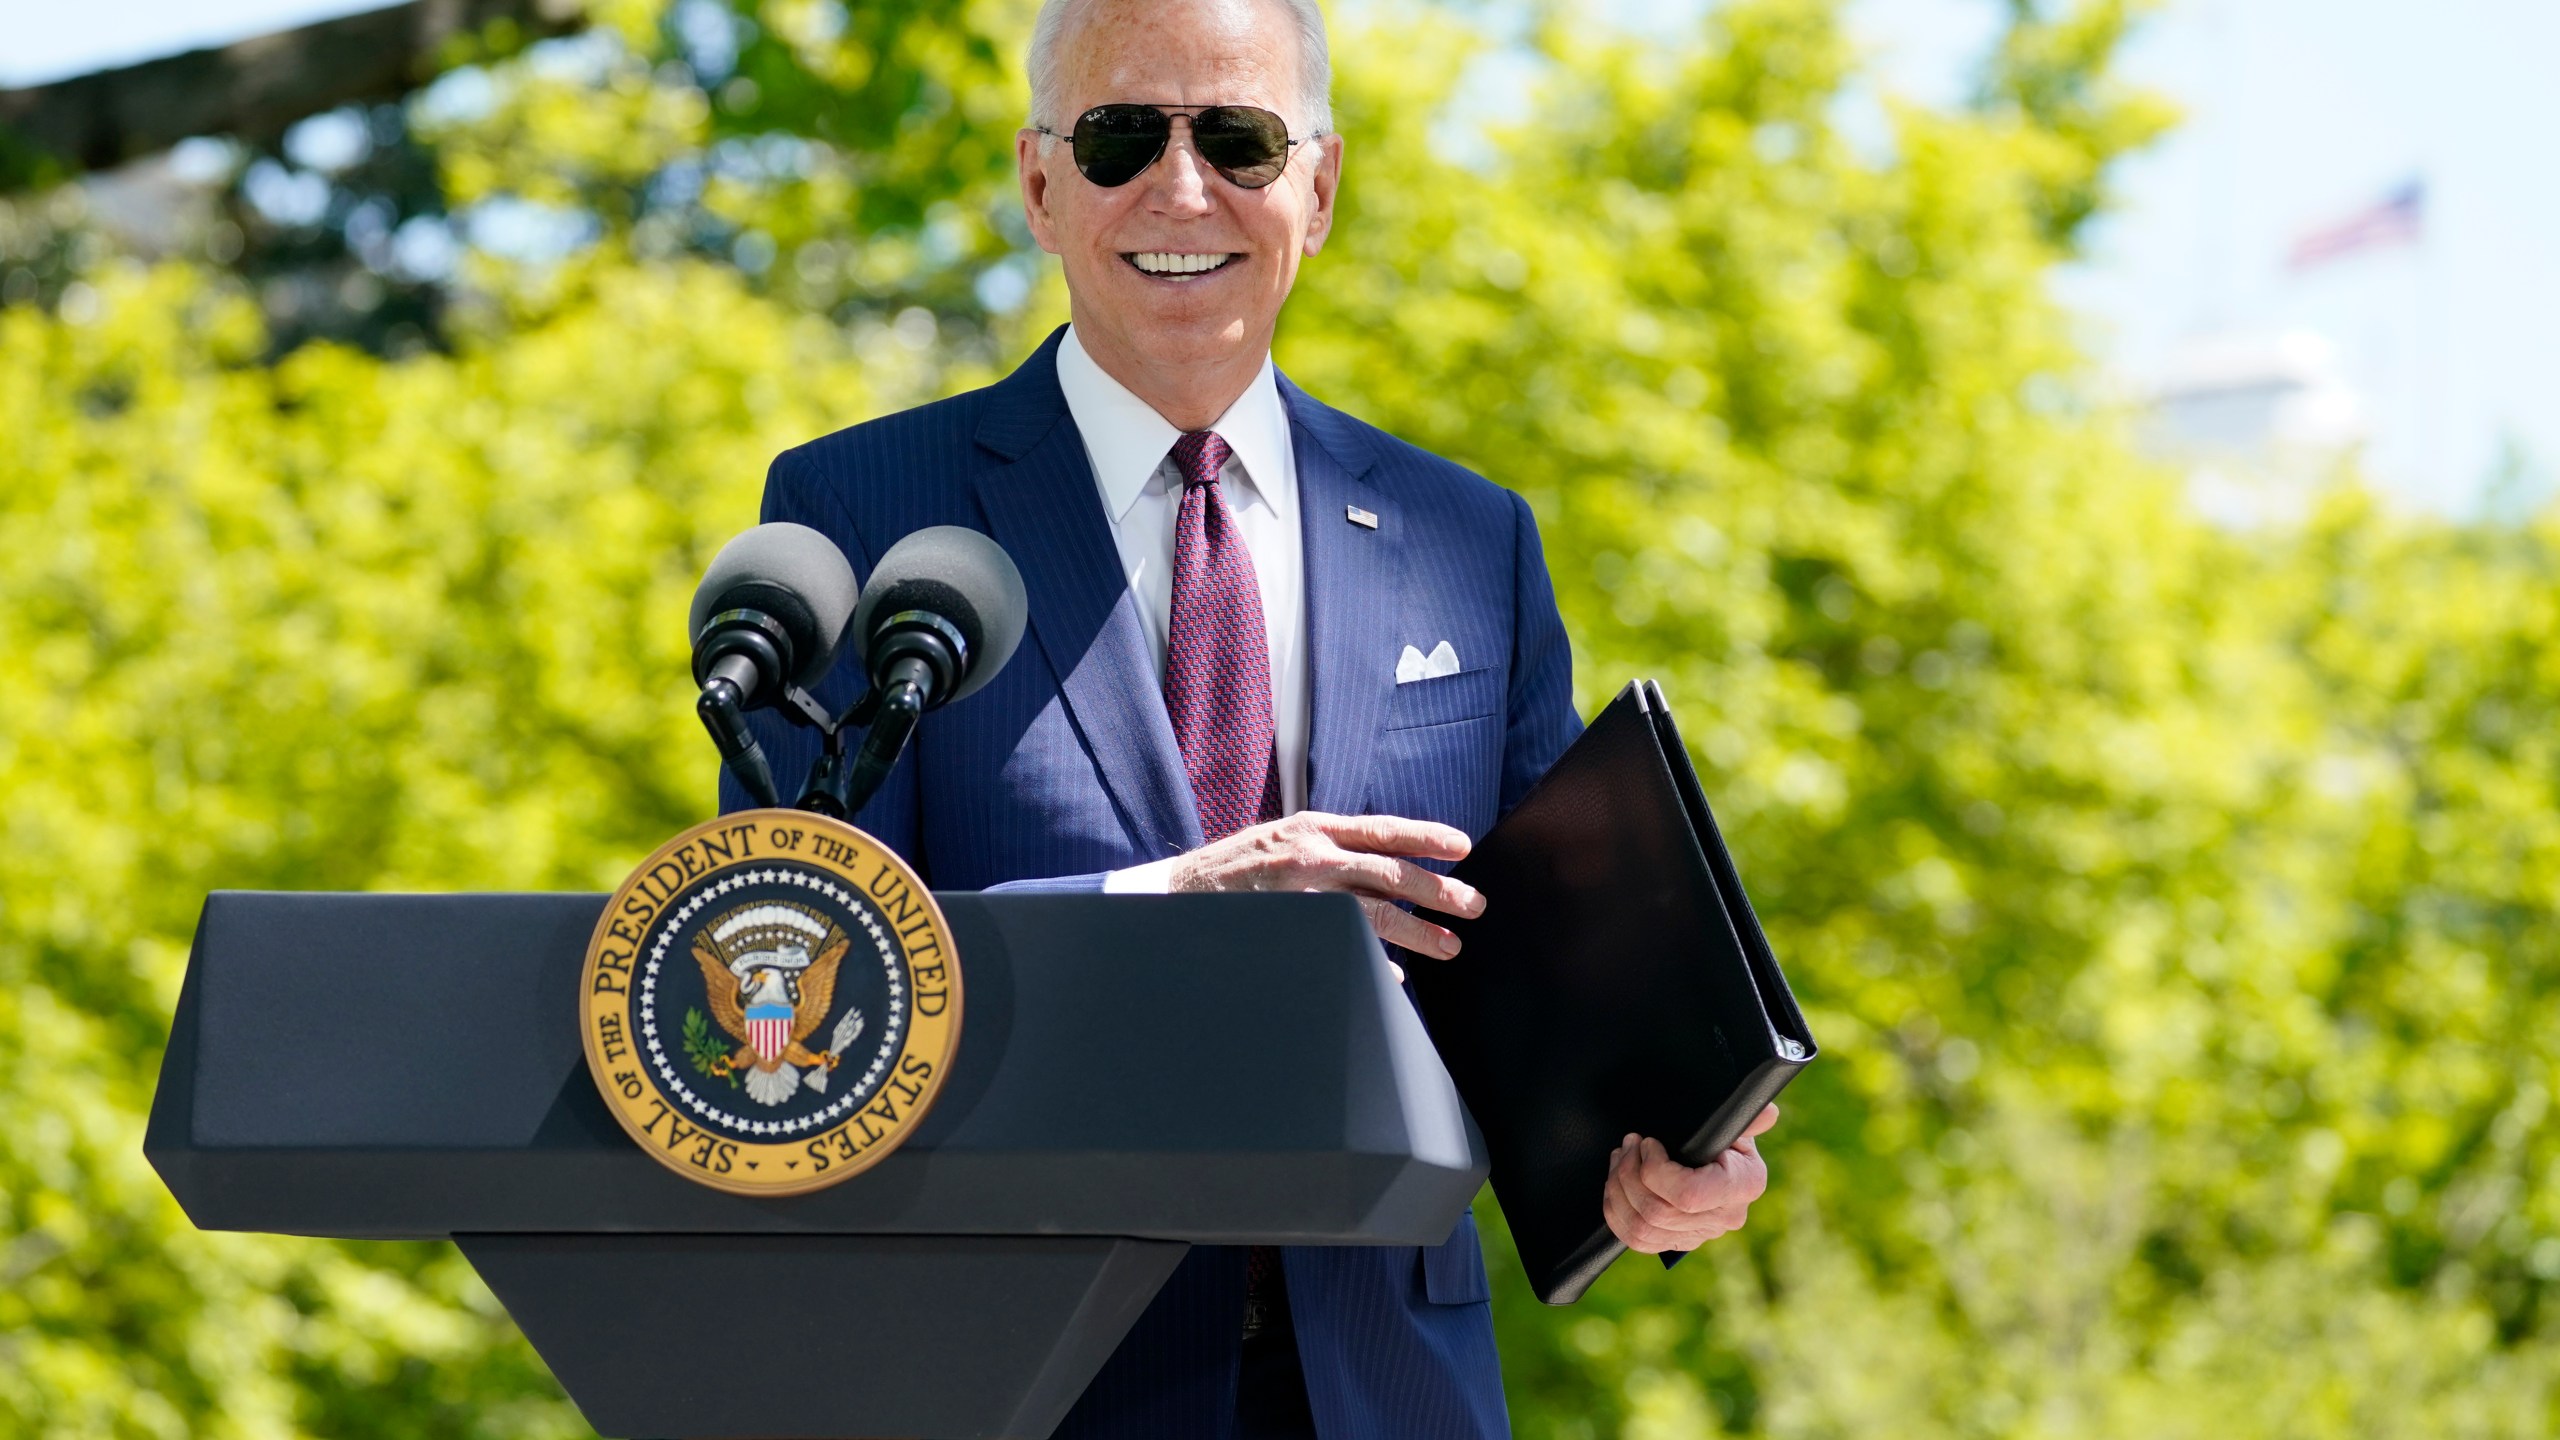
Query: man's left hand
x=1654, y=1203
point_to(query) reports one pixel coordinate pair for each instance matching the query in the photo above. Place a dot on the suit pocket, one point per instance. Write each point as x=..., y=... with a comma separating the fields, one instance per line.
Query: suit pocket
x=1443, y=699
x=1453, y=1271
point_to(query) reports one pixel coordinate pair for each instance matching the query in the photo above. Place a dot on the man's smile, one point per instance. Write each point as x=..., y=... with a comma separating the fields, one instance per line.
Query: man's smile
x=1177, y=265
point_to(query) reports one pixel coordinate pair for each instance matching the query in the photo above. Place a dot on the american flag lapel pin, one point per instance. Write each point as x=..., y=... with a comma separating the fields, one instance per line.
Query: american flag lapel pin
x=1366, y=520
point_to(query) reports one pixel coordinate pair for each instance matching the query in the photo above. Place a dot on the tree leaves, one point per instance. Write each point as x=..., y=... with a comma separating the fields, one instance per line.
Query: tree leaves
x=2173, y=902
x=708, y=1052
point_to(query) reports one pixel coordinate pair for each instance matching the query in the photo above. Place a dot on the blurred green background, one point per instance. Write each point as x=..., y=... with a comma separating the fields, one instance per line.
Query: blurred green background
x=2173, y=900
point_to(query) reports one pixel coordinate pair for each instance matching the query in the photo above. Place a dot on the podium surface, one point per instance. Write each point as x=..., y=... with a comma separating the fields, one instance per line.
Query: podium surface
x=1135, y=1074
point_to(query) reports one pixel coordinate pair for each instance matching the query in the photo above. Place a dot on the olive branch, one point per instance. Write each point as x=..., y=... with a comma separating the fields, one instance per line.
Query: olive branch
x=705, y=1050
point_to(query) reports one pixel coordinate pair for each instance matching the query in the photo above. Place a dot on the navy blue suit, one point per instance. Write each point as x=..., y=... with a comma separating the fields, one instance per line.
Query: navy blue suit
x=1065, y=767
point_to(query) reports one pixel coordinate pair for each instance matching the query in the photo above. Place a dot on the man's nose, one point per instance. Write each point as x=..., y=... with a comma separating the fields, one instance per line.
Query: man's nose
x=1178, y=183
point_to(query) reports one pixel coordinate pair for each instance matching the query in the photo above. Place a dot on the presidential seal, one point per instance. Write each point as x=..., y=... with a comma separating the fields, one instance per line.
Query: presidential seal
x=770, y=1002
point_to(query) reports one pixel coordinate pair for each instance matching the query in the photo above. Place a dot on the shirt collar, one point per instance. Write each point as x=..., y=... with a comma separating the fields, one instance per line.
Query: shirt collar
x=1126, y=439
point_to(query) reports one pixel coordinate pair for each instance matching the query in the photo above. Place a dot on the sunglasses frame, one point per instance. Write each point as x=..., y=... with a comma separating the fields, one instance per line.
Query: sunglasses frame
x=1289, y=144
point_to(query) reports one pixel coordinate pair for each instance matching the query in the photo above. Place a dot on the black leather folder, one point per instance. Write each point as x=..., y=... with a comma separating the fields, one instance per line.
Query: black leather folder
x=1616, y=982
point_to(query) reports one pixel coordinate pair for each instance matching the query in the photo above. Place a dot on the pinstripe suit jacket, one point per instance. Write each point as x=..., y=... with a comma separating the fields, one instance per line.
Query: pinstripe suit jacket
x=1065, y=767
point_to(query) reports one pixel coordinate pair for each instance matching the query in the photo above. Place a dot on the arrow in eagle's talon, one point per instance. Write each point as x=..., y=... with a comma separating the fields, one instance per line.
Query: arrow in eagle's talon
x=847, y=1030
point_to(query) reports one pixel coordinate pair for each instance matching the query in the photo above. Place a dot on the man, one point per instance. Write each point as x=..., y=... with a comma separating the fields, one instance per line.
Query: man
x=1223, y=573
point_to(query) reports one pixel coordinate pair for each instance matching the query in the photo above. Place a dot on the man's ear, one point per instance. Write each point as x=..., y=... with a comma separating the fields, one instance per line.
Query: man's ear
x=1326, y=182
x=1030, y=163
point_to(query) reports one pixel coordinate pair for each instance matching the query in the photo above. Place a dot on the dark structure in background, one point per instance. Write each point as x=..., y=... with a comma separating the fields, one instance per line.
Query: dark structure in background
x=252, y=91
x=321, y=266
x=837, y=164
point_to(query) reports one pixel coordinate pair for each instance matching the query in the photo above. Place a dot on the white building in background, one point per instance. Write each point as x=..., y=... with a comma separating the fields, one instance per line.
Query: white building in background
x=2264, y=397
x=2258, y=419
x=2368, y=173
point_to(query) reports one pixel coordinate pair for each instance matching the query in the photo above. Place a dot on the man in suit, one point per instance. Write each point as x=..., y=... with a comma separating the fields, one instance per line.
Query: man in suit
x=1223, y=575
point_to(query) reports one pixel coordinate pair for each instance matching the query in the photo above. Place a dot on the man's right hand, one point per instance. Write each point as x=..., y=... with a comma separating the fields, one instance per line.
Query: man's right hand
x=1361, y=854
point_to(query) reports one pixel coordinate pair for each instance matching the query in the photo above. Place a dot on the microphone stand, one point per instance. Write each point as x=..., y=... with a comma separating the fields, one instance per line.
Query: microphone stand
x=918, y=658
x=826, y=792
x=839, y=785
x=725, y=716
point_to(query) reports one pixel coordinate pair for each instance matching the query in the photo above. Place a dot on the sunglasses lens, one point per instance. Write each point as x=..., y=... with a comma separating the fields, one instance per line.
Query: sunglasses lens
x=1113, y=143
x=1248, y=146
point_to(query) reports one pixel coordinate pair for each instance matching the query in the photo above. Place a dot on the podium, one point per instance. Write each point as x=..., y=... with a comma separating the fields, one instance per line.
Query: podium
x=1135, y=1075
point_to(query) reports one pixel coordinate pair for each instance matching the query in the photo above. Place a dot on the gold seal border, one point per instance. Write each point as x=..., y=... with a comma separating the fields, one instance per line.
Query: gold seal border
x=935, y=1039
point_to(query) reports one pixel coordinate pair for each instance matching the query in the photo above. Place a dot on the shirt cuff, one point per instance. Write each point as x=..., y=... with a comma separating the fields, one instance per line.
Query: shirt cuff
x=1153, y=878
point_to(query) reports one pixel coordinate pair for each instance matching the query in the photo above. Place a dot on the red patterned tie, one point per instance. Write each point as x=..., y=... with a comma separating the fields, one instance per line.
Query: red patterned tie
x=1217, y=663
x=1217, y=688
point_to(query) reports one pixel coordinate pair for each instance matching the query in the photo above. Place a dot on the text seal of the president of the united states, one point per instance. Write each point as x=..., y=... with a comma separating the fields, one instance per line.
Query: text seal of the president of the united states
x=770, y=1002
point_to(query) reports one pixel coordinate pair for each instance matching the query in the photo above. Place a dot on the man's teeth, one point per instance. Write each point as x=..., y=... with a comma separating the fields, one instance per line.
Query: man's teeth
x=1166, y=262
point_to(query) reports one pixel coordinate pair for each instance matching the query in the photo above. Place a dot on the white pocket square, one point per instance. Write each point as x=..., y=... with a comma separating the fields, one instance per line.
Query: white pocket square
x=1414, y=665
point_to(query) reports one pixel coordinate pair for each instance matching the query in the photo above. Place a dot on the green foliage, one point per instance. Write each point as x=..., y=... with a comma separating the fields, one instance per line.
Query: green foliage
x=2173, y=1087
x=24, y=164
x=2050, y=82
x=333, y=624
x=2173, y=903
x=709, y=1056
x=851, y=159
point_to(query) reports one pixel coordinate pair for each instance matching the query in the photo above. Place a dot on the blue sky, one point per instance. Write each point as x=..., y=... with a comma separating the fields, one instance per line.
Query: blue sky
x=2298, y=112
x=45, y=41
x=2303, y=111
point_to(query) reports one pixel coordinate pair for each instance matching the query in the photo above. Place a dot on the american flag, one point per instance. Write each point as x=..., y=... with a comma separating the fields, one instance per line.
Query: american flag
x=2399, y=218
x=769, y=1030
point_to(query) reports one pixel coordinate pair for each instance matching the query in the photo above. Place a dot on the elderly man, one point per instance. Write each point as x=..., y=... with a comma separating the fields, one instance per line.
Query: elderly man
x=1223, y=573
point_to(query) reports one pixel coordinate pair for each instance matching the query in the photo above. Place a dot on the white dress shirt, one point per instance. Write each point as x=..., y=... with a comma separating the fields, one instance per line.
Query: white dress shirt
x=1131, y=446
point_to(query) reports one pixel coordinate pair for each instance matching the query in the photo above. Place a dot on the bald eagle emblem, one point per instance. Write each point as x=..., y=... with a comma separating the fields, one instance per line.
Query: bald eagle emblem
x=770, y=970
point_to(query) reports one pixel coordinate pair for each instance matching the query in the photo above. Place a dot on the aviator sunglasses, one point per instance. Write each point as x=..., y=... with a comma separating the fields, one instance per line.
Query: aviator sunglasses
x=1114, y=144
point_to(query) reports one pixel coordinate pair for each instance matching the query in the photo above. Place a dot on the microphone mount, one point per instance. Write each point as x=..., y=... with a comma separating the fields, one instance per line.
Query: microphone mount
x=749, y=652
x=915, y=663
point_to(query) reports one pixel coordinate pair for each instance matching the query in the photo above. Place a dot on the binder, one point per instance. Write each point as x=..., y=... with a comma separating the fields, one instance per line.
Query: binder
x=1618, y=981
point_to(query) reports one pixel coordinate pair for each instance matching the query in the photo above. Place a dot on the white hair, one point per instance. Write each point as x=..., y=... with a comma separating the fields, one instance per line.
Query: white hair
x=1057, y=17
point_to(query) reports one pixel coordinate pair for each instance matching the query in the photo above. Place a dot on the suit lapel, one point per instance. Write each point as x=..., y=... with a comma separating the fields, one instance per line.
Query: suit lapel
x=1353, y=574
x=1044, y=509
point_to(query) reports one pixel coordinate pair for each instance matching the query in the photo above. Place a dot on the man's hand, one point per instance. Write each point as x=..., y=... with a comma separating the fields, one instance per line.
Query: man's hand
x=1358, y=853
x=1654, y=1203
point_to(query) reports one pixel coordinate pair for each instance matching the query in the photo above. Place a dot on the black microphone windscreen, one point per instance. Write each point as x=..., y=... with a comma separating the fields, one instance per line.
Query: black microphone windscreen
x=960, y=575
x=792, y=573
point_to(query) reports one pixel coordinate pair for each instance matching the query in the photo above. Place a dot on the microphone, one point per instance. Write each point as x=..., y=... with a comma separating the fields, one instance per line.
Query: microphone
x=766, y=621
x=942, y=614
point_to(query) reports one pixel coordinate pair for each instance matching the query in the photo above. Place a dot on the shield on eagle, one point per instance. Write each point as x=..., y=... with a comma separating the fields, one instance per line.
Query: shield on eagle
x=770, y=970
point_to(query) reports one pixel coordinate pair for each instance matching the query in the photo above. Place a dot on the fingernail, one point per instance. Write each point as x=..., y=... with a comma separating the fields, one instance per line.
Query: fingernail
x=1448, y=946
